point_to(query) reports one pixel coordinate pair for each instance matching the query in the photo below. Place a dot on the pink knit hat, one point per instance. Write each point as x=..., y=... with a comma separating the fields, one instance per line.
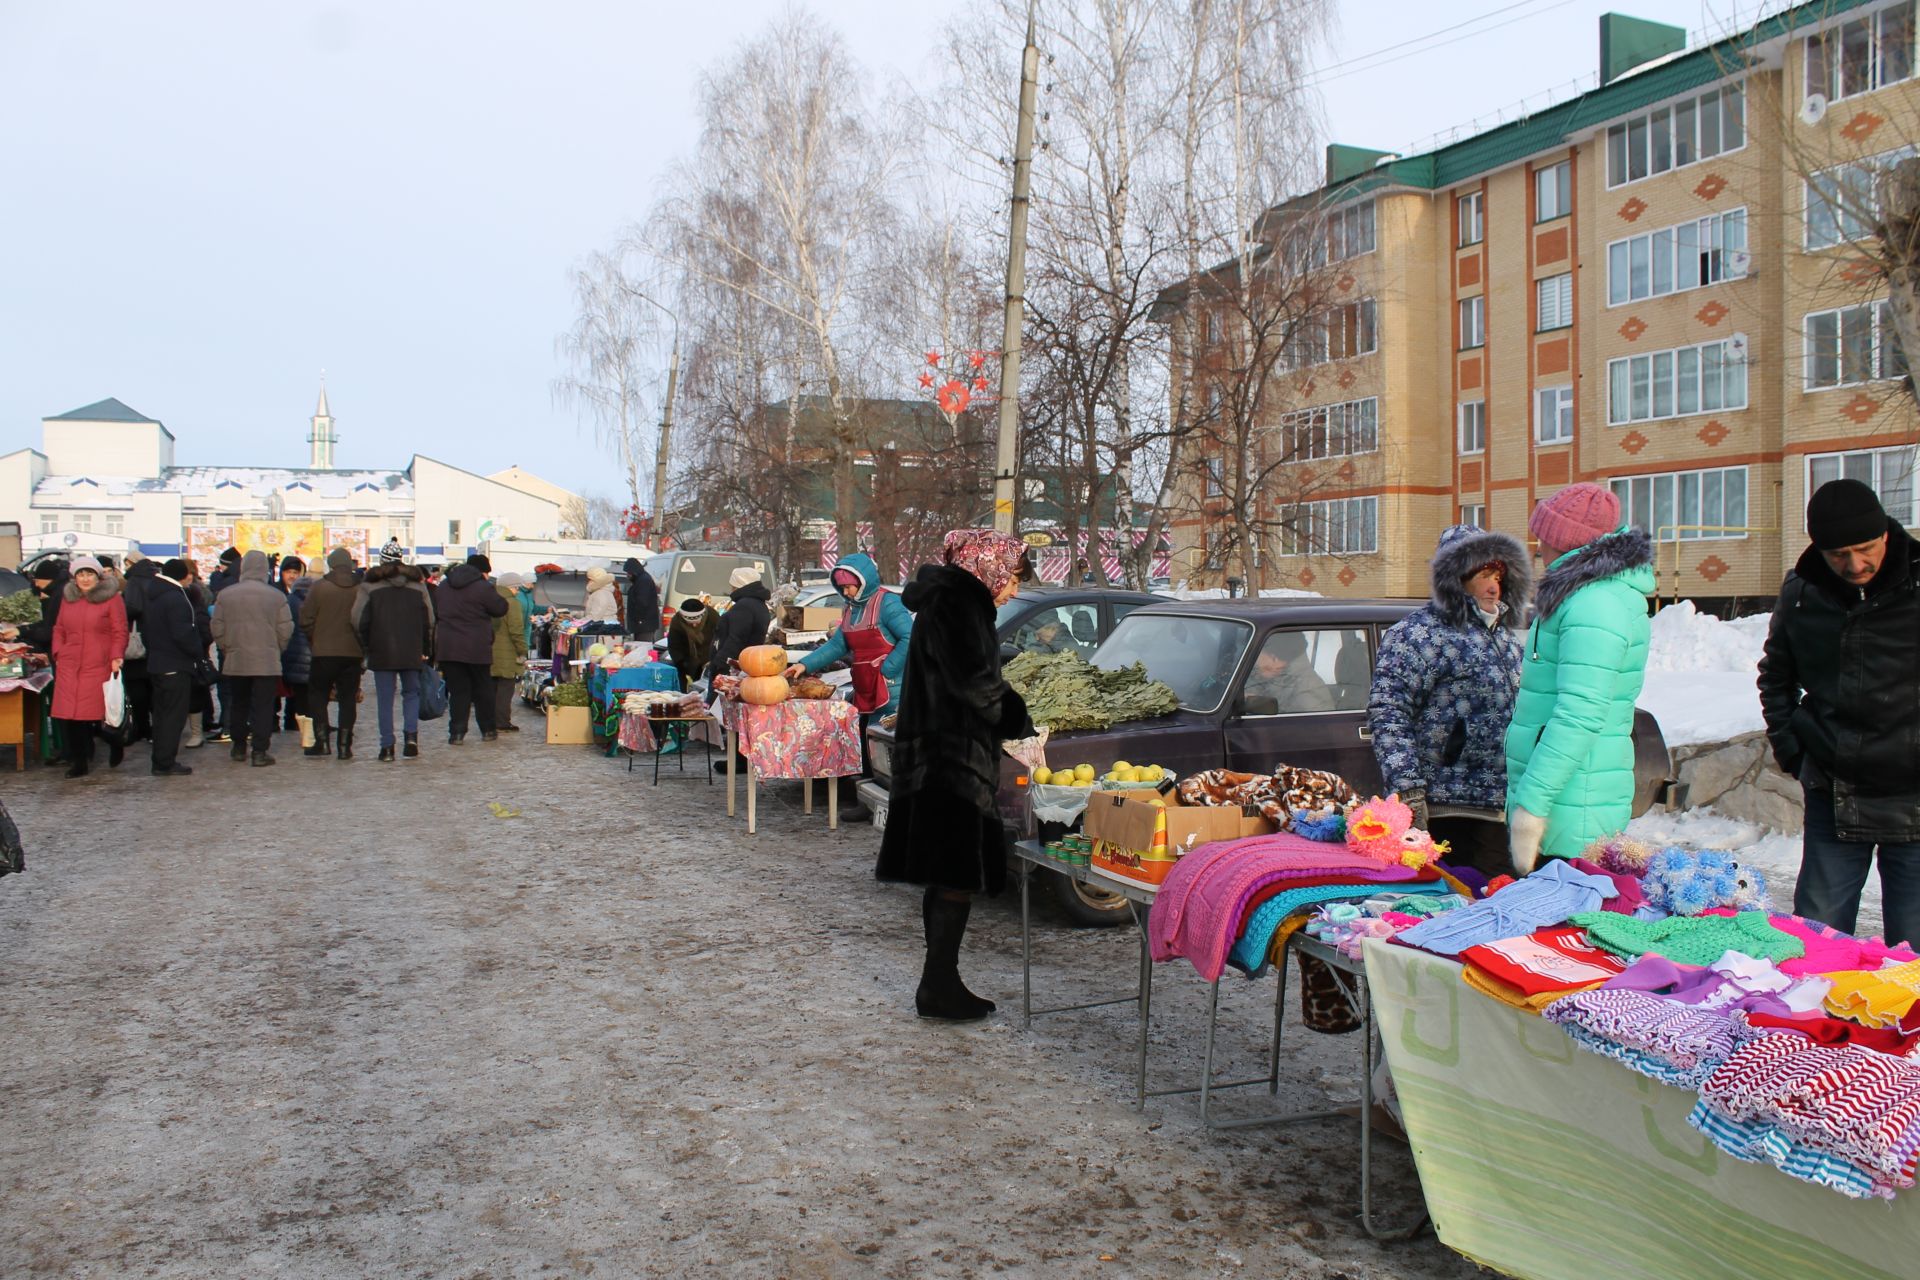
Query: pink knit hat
x=1575, y=516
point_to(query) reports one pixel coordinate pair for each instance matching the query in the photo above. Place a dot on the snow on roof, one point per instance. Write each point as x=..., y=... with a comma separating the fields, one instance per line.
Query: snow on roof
x=217, y=482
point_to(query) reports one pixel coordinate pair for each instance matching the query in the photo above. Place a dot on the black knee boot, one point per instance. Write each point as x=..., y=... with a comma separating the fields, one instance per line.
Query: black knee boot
x=941, y=993
x=79, y=735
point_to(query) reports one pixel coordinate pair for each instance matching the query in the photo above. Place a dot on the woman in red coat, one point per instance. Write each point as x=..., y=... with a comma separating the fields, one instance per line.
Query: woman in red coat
x=89, y=643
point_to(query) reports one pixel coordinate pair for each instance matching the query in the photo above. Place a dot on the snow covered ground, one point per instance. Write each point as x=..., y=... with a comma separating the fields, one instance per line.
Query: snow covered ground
x=1701, y=673
x=1776, y=856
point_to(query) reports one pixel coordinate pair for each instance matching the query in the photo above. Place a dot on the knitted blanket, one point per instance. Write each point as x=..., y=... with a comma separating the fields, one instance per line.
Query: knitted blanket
x=1697, y=940
x=1276, y=795
x=1843, y=1100
x=1255, y=947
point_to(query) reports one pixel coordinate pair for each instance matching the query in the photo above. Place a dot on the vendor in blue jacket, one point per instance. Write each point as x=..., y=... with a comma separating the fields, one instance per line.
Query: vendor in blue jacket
x=873, y=640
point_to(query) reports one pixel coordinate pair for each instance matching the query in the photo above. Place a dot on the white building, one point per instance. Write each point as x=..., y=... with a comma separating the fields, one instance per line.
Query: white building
x=104, y=480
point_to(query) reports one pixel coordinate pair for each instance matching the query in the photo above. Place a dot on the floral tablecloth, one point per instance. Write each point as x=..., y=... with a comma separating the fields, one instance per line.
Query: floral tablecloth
x=636, y=730
x=799, y=738
x=35, y=682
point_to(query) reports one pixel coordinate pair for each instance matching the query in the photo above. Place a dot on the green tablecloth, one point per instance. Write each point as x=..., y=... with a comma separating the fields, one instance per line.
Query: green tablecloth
x=1546, y=1161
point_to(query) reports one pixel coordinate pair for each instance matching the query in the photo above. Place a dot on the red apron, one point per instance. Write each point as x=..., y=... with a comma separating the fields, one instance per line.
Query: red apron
x=867, y=648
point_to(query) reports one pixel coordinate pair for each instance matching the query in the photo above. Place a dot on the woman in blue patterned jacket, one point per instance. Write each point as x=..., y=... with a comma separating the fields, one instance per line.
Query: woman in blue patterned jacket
x=1443, y=694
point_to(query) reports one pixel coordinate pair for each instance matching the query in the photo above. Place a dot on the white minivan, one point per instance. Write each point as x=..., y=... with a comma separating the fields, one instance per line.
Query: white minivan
x=681, y=574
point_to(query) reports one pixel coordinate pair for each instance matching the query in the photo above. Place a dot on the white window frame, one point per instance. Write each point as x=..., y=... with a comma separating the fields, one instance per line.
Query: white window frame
x=116, y=526
x=1216, y=478
x=1555, y=180
x=1675, y=365
x=1553, y=302
x=1366, y=329
x=1704, y=244
x=401, y=531
x=1331, y=430
x=1823, y=71
x=1553, y=422
x=1470, y=427
x=1851, y=193
x=1473, y=322
x=1474, y=514
x=1691, y=109
x=1885, y=360
x=1677, y=483
x=1338, y=527
x=49, y=524
x=82, y=522
x=1347, y=228
x=1875, y=476
x=1473, y=218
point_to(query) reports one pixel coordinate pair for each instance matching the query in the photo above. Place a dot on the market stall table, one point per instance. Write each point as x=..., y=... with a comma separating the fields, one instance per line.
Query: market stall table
x=1546, y=1161
x=638, y=736
x=801, y=739
x=19, y=716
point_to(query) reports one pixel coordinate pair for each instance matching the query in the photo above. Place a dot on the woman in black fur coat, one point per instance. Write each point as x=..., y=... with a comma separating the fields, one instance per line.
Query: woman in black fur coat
x=943, y=827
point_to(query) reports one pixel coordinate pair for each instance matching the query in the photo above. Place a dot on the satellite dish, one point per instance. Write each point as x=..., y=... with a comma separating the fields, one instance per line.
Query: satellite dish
x=1737, y=346
x=1814, y=109
x=1739, y=263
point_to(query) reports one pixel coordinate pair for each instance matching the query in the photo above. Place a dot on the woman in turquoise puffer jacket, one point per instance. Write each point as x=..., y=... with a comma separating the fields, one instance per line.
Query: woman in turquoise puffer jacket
x=1570, y=747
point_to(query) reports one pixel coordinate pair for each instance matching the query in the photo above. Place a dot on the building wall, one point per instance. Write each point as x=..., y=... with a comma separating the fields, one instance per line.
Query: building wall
x=142, y=449
x=515, y=477
x=20, y=471
x=450, y=505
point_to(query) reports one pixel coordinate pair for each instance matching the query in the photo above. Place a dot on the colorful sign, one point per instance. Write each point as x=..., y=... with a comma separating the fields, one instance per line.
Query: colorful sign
x=303, y=538
x=355, y=541
x=204, y=545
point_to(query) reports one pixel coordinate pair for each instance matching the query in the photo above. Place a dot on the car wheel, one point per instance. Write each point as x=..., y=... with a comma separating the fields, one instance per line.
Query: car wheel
x=1086, y=905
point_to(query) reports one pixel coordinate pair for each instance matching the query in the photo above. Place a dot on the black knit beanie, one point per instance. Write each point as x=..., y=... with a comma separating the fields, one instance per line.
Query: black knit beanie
x=1844, y=513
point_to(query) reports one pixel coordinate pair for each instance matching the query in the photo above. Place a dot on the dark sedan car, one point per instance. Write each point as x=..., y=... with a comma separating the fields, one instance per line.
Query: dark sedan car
x=1235, y=713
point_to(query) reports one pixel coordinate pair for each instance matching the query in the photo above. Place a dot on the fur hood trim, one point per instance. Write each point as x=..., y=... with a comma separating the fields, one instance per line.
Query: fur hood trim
x=104, y=590
x=1602, y=558
x=1464, y=549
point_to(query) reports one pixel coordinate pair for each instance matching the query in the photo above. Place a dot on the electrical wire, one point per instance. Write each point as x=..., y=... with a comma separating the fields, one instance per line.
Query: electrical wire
x=1321, y=77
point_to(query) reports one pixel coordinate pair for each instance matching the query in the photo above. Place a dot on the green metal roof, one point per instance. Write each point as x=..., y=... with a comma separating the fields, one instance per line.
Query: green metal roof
x=1552, y=127
x=108, y=410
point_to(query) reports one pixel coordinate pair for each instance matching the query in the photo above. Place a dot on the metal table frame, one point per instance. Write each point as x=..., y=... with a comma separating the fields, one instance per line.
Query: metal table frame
x=656, y=723
x=1353, y=979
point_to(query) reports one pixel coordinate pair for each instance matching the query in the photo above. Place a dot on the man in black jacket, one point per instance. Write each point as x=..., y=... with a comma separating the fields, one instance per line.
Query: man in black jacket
x=176, y=634
x=1839, y=690
x=643, y=602
x=137, y=586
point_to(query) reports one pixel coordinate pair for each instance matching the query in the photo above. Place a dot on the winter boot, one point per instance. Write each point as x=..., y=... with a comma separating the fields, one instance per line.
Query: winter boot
x=344, y=751
x=116, y=754
x=386, y=754
x=319, y=747
x=239, y=751
x=412, y=747
x=941, y=993
x=261, y=759
x=851, y=810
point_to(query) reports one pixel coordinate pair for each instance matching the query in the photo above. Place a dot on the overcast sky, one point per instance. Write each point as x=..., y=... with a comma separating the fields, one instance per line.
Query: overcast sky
x=204, y=205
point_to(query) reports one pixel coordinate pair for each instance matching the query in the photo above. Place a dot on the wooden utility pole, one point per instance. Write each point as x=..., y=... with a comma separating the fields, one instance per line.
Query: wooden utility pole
x=1007, y=443
x=660, y=458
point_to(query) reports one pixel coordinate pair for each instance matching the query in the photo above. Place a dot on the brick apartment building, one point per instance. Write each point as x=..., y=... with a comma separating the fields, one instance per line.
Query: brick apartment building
x=1652, y=286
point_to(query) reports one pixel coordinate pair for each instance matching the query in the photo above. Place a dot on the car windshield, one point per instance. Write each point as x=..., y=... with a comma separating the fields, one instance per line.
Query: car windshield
x=1196, y=657
x=708, y=574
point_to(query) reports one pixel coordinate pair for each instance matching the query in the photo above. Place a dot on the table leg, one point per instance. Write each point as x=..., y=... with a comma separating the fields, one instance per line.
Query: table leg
x=753, y=795
x=706, y=736
x=727, y=741
x=656, y=759
x=1026, y=952
x=806, y=795
x=833, y=803
x=1144, y=993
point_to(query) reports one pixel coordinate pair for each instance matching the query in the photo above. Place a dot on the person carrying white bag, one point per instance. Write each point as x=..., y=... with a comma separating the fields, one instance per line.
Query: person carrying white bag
x=89, y=645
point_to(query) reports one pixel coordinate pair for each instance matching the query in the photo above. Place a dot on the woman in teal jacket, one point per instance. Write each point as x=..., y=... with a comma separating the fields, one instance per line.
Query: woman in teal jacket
x=1570, y=747
x=858, y=579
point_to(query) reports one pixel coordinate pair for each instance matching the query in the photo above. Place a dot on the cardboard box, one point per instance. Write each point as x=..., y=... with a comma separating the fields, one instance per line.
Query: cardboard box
x=1137, y=838
x=797, y=619
x=571, y=725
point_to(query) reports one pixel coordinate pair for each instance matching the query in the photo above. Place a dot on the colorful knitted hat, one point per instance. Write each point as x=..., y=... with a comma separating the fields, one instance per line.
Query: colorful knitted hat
x=1575, y=516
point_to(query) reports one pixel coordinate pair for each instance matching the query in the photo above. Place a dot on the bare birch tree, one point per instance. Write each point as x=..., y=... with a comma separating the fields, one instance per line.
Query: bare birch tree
x=609, y=355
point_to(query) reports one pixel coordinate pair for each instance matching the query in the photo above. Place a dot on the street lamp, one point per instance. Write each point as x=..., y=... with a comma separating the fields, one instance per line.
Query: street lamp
x=666, y=423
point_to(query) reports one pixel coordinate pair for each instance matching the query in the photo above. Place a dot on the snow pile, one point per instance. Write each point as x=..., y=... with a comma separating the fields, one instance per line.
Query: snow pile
x=1701, y=673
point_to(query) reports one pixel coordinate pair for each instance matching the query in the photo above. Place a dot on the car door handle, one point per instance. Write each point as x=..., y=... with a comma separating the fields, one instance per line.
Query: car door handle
x=1366, y=733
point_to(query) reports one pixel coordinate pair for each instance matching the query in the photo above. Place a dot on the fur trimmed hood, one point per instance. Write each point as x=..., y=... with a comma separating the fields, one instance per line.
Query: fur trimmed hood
x=104, y=590
x=1602, y=558
x=390, y=570
x=1462, y=550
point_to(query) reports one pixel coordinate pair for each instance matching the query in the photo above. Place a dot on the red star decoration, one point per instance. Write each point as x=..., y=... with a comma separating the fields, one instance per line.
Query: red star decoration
x=926, y=380
x=980, y=384
x=976, y=358
x=933, y=357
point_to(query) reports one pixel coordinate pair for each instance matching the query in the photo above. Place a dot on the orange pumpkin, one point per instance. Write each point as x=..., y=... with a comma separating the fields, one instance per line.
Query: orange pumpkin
x=763, y=691
x=764, y=660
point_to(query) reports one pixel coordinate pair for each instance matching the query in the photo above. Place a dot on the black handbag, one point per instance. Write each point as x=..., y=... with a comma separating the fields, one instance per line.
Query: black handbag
x=204, y=676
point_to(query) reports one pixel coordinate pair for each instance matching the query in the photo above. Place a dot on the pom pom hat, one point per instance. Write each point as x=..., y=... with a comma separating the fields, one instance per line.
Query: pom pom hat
x=1575, y=516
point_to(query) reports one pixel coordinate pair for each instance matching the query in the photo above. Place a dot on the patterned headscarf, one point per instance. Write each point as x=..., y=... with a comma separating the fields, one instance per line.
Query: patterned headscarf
x=994, y=558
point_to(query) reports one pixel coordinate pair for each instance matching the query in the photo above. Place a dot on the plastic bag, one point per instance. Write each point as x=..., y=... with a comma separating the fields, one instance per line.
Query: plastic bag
x=116, y=696
x=433, y=694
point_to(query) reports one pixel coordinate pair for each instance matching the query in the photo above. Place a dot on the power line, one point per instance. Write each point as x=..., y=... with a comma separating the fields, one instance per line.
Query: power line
x=1320, y=78
x=1491, y=13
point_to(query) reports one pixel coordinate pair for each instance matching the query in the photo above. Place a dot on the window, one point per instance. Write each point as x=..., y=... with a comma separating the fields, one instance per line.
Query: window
x=401, y=531
x=1675, y=136
x=83, y=524
x=1302, y=672
x=1473, y=426
x=1556, y=302
x=1206, y=329
x=1473, y=323
x=195, y=519
x=453, y=533
x=1350, y=231
x=1843, y=203
x=116, y=526
x=49, y=524
x=1552, y=192
x=1345, y=526
x=1672, y=384
x=1673, y=259
x=1889, y=472
x=1216, y=477
x=1330, y=431
x=1196, y=657
x=1473, y=223
x=1865, y=54
x=1852, y=345
x=1474, y=514
x=1350, y=330
x=1686, y=506
x=1554, y=419
x=1067, y=628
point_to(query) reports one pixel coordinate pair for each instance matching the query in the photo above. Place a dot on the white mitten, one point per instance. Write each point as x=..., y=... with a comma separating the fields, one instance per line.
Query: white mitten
x=1525, y=831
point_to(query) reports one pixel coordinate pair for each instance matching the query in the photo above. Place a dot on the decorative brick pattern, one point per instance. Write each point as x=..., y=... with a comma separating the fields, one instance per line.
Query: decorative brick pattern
x=1555, y=356
x=1633, y=208
x=1348, y=473
x=1712, y=314
x=1470, y=374
x=1552, y=246
x=1346, y=576
x=1713, y=432
x=1346, y=379
x=1860, y=271
x=1633, y=328
x=1304, y=386
x=1713, y=568
x=1554, y=468
x=1306, y=577
x=1710, y=186
x=1634, y=442
x=1468, y=271
x=1861, y=127
x=1346, y=282
x=1470, y=476
x=1860, y=408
